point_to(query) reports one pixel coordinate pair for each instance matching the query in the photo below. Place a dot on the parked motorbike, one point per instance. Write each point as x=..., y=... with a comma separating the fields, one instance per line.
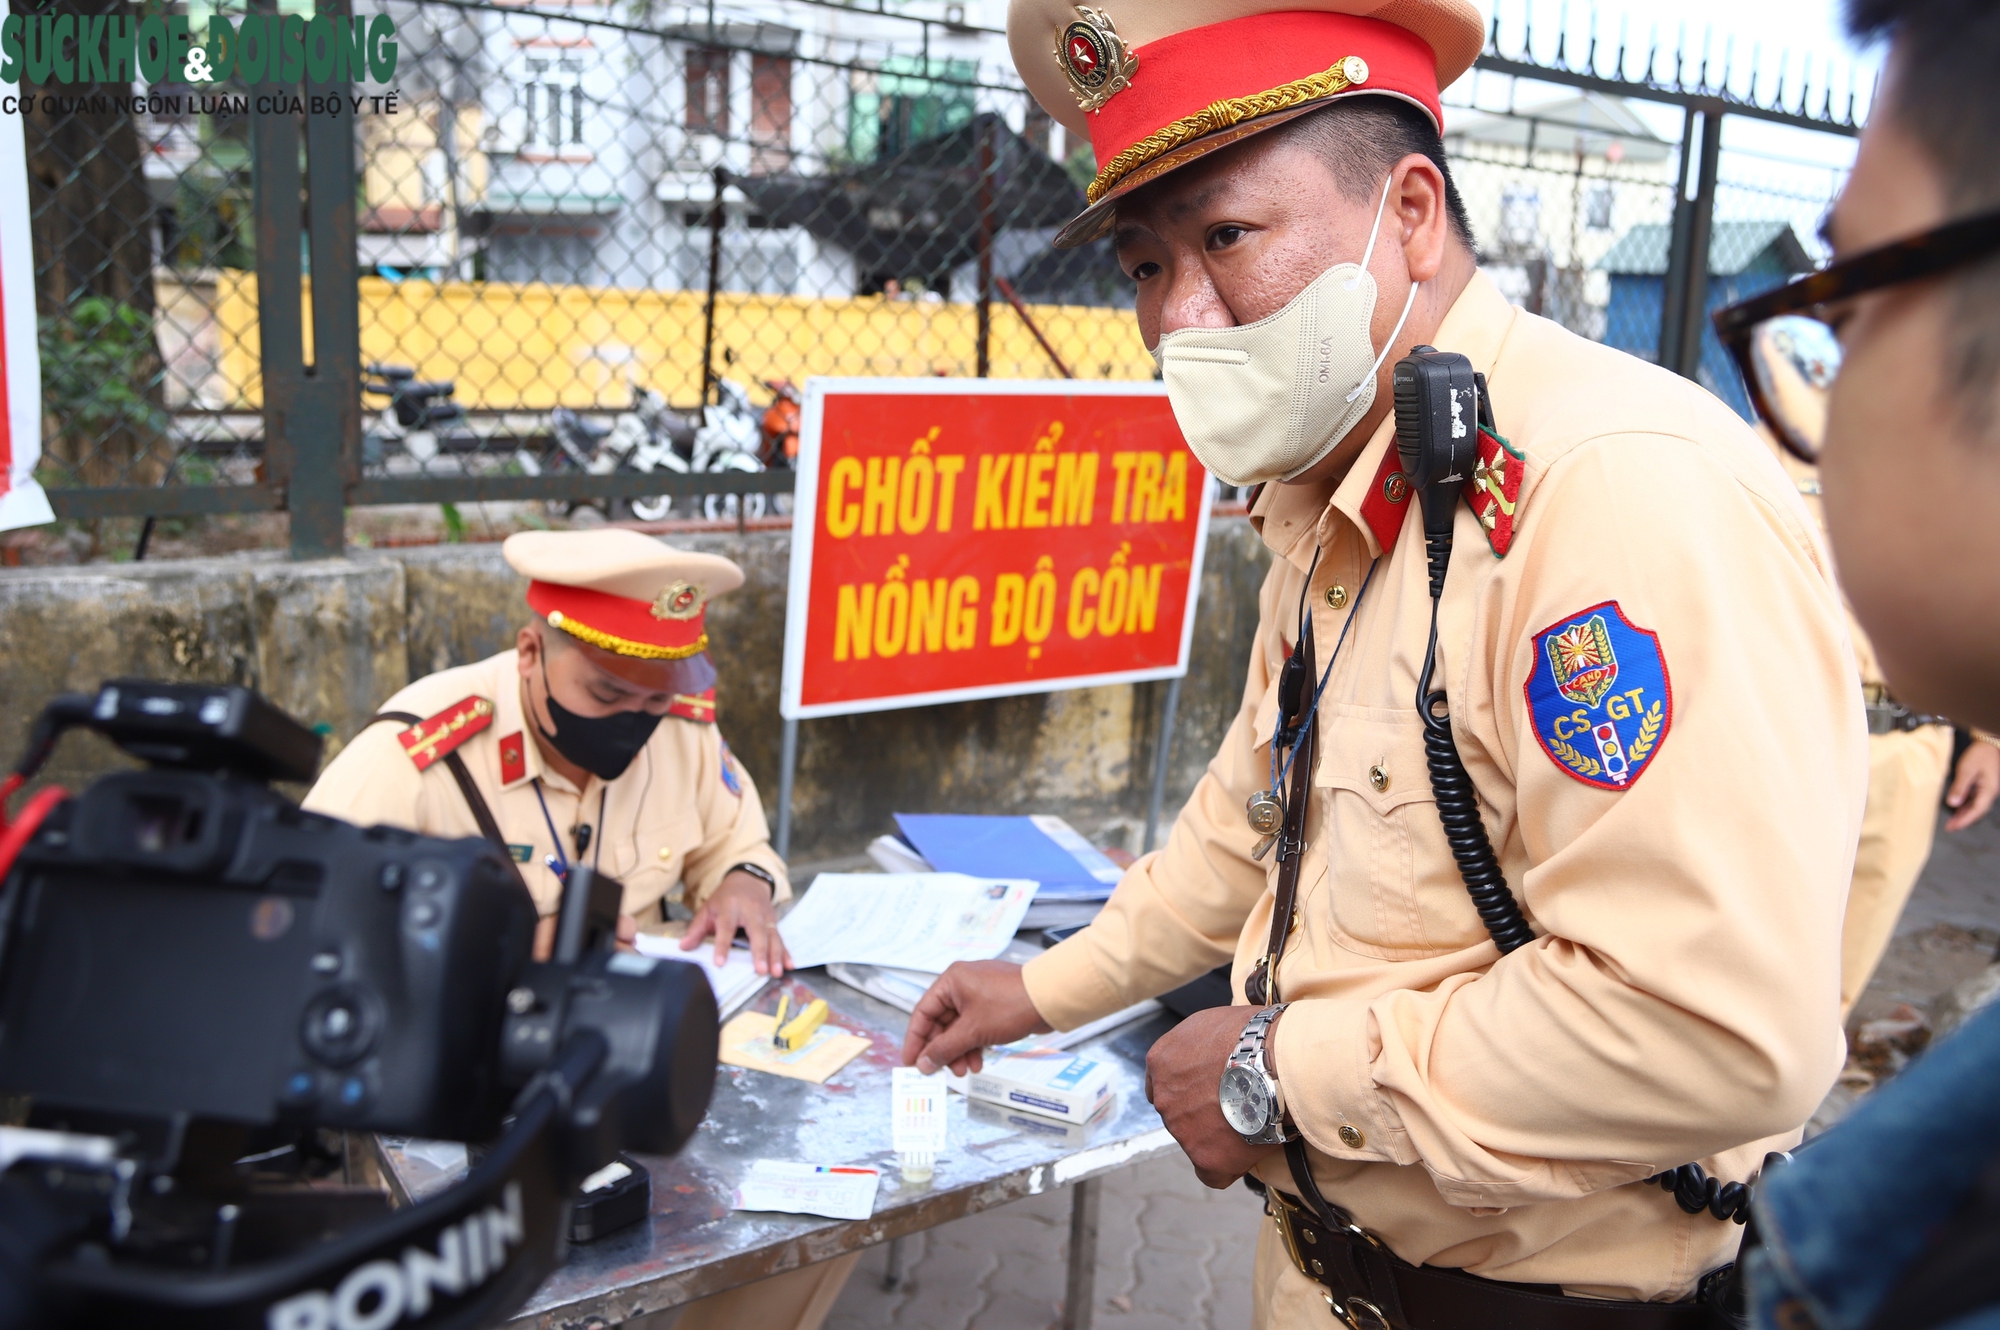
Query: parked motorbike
x=781, y=426
x=652, y=438
x=420, y=418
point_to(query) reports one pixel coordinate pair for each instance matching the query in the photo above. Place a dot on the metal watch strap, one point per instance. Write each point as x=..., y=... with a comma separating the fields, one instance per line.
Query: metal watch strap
x=1250, y=1044
x=1260, y=986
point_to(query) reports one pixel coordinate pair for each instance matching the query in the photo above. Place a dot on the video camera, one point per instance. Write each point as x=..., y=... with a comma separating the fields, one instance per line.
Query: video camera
x=188, y=958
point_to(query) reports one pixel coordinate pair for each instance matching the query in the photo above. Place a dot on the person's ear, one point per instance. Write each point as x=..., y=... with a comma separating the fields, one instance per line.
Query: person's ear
x=1422, y=215
x=528, y=649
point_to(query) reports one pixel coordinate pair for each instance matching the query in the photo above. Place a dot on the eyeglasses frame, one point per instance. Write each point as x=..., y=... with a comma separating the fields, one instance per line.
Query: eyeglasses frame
x=1926, y=254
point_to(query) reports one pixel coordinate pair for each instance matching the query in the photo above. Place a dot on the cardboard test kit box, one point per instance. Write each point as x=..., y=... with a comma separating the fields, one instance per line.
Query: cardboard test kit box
x=1052, y=1082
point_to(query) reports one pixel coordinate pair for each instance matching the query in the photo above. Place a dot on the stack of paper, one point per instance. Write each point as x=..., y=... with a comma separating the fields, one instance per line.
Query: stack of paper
x=914, y=921
x=735, y=981
x=1073, y=875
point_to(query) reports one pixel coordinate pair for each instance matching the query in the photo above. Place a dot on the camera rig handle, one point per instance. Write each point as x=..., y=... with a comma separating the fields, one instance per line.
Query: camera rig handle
x=463, y=1258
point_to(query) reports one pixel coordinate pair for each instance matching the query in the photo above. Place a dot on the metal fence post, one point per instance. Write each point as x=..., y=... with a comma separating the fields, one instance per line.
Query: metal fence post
x=714, y=280
x=985, y=249
x=326, y=431
x=312, y=416
x=1701, y=228
x=1673, y=282
x=275, y=196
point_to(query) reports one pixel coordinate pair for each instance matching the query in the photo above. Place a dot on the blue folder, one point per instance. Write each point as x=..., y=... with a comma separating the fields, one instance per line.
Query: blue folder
x=1010, y=847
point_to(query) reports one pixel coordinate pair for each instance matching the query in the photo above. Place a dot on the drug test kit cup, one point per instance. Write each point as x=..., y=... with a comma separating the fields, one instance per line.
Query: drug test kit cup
x=917, y=1118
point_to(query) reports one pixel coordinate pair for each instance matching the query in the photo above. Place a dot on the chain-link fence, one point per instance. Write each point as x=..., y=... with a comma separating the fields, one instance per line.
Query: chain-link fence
x=618, y=239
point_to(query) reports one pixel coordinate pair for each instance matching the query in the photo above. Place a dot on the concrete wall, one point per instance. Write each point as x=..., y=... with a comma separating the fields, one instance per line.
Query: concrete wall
x=329, y=641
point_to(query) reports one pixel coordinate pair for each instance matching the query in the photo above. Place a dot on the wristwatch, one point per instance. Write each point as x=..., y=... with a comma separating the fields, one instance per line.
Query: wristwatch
x=763, y=875
x=1252, y=1101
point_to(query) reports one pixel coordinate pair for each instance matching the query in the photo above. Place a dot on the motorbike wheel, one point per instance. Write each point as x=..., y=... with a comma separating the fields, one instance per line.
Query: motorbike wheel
x=657, y=509
x=723, y=507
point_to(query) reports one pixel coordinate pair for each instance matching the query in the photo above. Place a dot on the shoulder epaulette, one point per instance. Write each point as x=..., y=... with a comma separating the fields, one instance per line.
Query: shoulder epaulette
x=429, y=740
x=694, y=706
x=1496, y=485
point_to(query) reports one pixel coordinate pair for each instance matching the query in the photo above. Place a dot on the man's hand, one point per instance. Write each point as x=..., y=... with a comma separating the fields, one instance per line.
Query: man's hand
x=1974, y=784
x=972, y=1006
x=1183, y=1080
x=741, y=901
x=545, y=935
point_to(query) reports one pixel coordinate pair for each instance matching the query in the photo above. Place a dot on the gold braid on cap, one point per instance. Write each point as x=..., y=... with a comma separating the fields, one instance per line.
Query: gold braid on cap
x=1215, y=116
x=624, y=646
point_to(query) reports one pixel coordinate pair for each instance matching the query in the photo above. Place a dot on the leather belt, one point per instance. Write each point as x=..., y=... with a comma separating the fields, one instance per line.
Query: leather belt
x=1369, y=1287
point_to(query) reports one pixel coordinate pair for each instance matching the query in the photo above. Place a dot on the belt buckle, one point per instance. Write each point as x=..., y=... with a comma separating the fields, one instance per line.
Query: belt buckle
x=1281, y=1211
x=1361, y=1314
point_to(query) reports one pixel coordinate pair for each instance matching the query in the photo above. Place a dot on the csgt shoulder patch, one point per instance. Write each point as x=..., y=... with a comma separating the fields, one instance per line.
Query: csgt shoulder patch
x=1599, y=697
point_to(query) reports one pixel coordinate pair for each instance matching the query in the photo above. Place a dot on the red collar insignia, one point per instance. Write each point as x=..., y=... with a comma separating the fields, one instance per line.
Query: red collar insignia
x=1388, y=499
x=513, y=758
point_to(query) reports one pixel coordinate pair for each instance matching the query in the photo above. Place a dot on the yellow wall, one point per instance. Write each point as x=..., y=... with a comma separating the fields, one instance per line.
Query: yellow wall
x=531, y=346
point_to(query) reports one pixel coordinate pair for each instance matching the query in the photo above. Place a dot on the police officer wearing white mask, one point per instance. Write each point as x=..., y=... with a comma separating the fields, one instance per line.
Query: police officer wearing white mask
x=1576, y=925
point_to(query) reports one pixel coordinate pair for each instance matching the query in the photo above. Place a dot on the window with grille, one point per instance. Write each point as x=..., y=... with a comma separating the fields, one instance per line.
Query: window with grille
x=770, y=113
x=708, y=91
x=552, y=103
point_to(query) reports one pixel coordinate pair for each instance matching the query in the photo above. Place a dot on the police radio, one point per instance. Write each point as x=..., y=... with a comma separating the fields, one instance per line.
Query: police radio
x=1440, y=406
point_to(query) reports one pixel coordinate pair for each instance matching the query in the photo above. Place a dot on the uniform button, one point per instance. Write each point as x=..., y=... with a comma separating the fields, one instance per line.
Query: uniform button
x=1336, y=596
x=1351, y=1137
x=1378, y=776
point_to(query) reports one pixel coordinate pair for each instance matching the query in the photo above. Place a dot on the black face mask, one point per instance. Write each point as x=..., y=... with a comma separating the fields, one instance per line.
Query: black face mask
x=602, y=745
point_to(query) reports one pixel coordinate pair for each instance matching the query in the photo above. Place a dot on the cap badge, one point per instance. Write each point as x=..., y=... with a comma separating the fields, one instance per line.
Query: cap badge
x=677, y=600
x=1094, y=59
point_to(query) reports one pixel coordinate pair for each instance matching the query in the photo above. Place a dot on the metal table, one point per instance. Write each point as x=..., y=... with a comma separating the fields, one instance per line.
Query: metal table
x=693, y=1244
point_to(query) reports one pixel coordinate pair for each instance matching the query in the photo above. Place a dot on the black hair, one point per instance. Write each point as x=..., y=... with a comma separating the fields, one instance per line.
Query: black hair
x=1946, y=95
x=1943, y=93
x=1360, y=138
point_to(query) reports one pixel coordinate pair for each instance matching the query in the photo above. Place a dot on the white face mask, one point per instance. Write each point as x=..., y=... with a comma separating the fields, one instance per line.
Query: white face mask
x=1267, y=400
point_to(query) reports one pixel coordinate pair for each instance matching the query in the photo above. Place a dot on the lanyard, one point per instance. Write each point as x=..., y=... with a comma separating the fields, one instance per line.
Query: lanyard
x=1278, y=775
x=559, y=862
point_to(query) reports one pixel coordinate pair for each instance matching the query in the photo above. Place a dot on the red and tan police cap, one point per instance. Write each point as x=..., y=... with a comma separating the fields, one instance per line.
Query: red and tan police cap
x=1156, y=84
x=621, y=591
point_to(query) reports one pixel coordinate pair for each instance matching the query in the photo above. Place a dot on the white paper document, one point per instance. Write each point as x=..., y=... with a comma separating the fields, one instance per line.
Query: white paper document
x=913, y=921
x=735, y=981
x=808, y=1189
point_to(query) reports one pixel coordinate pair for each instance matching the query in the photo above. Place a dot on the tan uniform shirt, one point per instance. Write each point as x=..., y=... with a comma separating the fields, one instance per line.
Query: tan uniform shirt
x=1679, y=1001
x=680, y=817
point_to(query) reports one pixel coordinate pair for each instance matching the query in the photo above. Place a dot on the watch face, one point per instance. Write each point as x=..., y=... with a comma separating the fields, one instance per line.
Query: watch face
x=1246, y=1101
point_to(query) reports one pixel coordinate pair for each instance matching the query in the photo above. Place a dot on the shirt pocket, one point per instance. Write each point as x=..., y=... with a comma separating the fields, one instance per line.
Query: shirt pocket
x=1395, y=886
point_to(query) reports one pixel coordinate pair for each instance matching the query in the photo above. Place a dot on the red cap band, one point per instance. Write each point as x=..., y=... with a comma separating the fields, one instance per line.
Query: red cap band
x=1247, y=62
x=668, y=629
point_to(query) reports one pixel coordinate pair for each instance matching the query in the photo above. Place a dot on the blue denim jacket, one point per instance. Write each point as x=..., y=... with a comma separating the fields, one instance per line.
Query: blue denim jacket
x=1846, y=1218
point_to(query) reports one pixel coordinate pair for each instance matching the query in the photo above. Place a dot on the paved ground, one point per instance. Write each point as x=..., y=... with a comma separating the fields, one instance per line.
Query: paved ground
x=1172, y=1253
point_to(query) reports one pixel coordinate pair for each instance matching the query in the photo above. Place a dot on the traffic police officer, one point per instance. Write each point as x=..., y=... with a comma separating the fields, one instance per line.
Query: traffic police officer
x=1649, y=686
x=594, y=740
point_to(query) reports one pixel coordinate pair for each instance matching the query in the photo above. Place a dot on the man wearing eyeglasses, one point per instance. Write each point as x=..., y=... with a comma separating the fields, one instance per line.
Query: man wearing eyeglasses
x=1785, y=343
x=1892, y=1217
